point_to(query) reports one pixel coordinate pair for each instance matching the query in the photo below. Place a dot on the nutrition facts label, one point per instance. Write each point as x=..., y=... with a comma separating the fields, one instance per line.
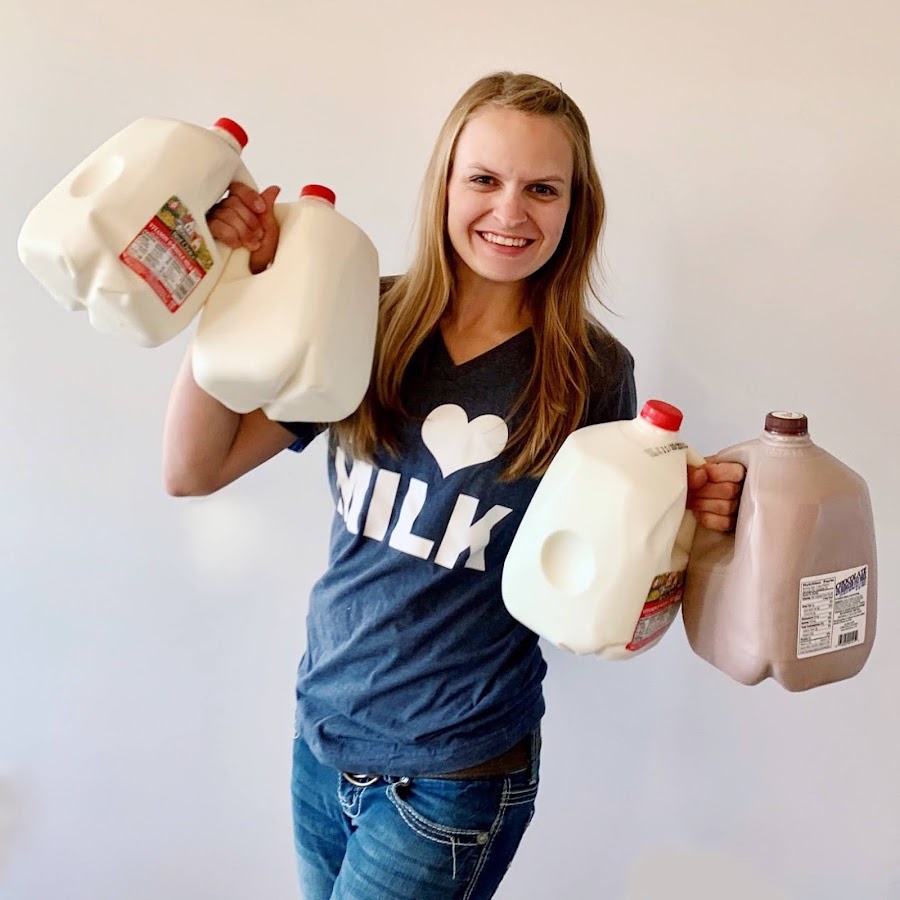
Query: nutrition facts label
x=832, y=611
x=170, y=254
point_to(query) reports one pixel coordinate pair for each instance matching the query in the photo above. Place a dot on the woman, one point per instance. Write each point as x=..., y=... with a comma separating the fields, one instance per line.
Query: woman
x=419, y=697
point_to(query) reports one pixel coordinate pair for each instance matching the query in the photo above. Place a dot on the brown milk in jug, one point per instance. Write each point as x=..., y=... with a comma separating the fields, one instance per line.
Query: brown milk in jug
x=791, y=594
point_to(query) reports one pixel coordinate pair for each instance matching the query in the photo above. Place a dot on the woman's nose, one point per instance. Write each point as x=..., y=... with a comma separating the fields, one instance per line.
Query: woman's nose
x=510, y=209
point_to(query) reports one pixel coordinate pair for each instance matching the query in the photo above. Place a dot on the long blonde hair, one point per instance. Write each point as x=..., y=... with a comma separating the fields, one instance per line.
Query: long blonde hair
x=557, y=392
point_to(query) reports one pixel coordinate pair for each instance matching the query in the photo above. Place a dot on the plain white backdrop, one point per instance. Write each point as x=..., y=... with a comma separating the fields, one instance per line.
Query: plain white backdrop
x=749, y=152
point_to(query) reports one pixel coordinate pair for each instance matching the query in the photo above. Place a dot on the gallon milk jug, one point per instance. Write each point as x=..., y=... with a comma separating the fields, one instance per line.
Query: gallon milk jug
x=791, y=594
x=124, y=234
x=298, y=339
x=597, y=565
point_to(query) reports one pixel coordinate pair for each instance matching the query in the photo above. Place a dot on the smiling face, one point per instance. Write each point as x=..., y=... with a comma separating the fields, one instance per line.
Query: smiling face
x=508, y=193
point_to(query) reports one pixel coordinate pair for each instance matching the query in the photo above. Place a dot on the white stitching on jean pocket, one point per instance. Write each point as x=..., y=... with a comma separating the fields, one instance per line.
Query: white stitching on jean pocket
x=520, y=796
x=432, y=831
x=498, y=824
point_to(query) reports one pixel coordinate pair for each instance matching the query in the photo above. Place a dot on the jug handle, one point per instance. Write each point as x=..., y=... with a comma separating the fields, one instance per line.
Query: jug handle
x=237, y=261
x=243, y=176
x=238, y=265
x=694, y=459
x=685, y=536
x=739, y=454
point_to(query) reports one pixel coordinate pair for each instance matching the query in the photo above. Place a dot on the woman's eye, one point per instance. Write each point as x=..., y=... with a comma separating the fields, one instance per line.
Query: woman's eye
x=545, y=190
x=483, y=179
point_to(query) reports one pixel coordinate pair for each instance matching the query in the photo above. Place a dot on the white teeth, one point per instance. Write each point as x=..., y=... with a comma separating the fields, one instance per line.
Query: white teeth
x=505, y=241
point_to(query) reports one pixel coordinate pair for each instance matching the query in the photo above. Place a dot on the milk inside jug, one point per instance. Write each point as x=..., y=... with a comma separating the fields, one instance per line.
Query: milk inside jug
x=597, y=565
x=124, y=234
x=791, y=594
x=298, y=339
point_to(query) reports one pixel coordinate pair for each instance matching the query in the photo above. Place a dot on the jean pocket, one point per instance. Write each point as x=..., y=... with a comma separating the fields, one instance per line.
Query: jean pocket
x=464, y=832
x=461, y=812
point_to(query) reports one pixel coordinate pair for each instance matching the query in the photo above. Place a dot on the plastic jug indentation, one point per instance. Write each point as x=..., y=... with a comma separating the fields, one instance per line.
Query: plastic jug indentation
x=568, y=561
x=97, y=176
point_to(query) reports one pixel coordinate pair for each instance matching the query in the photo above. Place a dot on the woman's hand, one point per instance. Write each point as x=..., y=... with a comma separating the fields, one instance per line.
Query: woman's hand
x=714, y=493
x=247, y=219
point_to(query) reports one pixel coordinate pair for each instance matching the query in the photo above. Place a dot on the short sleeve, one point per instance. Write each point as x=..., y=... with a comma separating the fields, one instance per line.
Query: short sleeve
x=613, y=396
x=625, y=404
x=305, y=432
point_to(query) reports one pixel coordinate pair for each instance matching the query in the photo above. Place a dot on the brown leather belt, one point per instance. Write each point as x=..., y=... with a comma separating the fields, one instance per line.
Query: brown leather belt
x=515, y=759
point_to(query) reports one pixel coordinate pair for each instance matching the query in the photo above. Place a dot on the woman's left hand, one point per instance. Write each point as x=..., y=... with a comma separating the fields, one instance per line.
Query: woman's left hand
x=714, y=493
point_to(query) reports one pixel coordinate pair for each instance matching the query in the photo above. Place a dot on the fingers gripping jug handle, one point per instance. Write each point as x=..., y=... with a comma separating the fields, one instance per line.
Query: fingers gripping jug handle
x=738, y=454
x=685, y=538
x=238, y=263
x=238, y=260
x=237, y=266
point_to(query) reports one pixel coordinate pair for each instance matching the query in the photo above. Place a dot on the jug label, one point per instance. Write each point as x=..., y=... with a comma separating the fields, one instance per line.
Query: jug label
x=170, y=254
x=832, y=611
x=659, y=610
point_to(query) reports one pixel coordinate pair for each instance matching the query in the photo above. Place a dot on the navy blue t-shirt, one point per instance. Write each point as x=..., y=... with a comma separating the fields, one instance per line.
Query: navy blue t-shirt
x=413, y=664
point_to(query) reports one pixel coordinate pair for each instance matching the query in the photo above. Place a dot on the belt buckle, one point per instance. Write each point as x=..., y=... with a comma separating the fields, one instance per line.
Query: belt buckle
x=361, y=781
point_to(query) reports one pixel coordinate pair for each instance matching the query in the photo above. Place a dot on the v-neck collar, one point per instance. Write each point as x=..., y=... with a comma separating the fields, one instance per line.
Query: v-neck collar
x=476, y=363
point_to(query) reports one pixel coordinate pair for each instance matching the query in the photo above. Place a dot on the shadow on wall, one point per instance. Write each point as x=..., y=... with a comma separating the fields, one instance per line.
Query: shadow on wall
x=682, y=873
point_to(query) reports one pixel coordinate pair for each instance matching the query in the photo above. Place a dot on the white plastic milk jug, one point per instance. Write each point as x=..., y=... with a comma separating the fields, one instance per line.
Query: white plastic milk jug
x=124, y=234
x=597, y=565
x=298, y=339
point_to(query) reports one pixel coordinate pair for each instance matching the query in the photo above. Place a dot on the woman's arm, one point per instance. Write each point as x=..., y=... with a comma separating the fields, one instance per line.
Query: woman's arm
x=206, y=445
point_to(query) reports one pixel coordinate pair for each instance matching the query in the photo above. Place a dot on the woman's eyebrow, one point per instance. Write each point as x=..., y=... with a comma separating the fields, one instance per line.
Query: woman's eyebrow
x=487, y=171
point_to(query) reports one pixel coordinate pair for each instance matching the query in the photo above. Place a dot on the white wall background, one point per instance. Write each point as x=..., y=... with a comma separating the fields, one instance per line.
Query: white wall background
x=750, y=155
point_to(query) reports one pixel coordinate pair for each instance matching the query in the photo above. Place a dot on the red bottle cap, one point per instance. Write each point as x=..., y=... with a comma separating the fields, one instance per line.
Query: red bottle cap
x=320, y=191
x=663, y=415
x=234, y=130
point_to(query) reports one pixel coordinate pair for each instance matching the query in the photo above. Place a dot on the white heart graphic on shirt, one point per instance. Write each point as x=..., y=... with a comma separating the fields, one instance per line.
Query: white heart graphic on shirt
x=457, y=443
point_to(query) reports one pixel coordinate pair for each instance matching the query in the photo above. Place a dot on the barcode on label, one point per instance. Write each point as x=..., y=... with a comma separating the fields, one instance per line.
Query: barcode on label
x=849, y=638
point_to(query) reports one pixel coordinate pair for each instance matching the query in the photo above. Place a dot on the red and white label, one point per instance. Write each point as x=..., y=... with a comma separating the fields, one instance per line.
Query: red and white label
x=169, y=254
x=659, y=610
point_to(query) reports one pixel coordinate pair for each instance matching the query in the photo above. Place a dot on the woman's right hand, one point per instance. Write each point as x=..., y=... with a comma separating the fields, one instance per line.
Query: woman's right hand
x=247, y=219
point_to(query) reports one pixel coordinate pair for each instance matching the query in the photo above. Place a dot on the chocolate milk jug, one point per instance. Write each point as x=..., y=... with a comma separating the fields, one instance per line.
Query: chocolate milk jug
x=791, y=594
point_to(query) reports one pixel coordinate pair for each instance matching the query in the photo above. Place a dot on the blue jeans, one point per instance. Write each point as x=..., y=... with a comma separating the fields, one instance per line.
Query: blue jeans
x=400, y=838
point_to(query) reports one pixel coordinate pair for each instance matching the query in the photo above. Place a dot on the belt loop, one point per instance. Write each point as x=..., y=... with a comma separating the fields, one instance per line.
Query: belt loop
x=535, y=756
